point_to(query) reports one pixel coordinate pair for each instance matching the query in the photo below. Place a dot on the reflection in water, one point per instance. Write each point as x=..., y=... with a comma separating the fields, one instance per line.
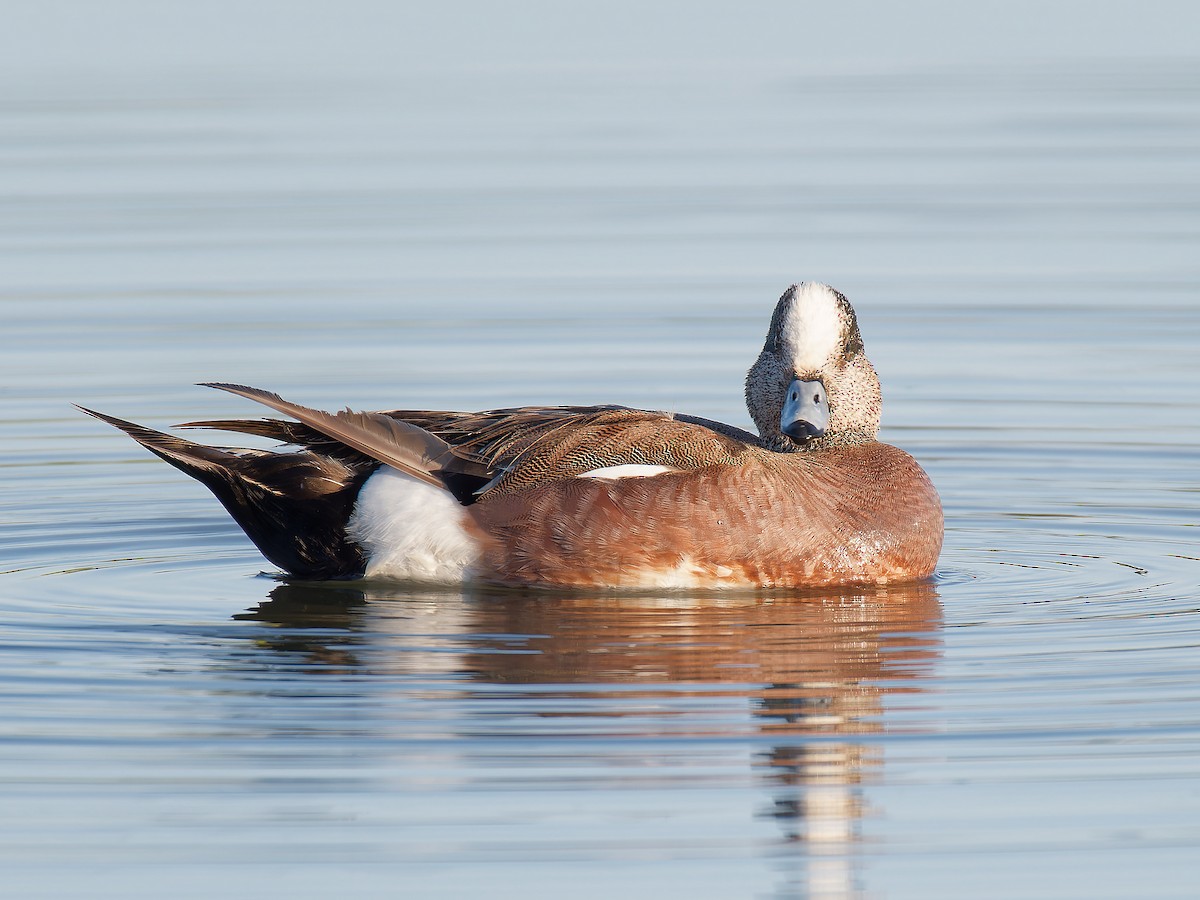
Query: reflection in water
x=812, y=673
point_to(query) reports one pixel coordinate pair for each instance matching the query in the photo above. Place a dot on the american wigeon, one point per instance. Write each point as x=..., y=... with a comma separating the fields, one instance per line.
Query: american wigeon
x=597, y=496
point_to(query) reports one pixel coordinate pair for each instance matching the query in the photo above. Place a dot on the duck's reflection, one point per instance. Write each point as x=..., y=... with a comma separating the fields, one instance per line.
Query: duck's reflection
x=813, y=671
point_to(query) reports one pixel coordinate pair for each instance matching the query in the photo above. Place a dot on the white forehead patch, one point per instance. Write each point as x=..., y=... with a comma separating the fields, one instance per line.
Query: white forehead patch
x=812, y=327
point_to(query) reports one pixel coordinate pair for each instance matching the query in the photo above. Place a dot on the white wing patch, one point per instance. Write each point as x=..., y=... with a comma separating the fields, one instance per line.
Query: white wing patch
x=812, y=329
x=629, y=470
x=411, y=530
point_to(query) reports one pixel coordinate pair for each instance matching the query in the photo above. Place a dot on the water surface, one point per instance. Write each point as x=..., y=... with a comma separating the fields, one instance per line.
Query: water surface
x=1019, y=240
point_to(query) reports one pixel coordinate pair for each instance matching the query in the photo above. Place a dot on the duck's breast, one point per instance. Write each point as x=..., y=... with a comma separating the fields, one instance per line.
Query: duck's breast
x=859, y=515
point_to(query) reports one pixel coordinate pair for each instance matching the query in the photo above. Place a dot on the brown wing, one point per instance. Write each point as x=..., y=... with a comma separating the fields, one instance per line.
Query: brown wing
x=515, y=448
x=397, y=443
x=497, y=437
x=610, y=437
x=493, y=438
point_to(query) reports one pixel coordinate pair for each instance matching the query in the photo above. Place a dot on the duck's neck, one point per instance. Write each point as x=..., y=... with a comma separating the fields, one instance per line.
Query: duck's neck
x=783, y=444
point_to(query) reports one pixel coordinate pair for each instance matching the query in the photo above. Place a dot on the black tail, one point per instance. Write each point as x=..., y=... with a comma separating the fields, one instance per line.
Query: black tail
x=294, y=506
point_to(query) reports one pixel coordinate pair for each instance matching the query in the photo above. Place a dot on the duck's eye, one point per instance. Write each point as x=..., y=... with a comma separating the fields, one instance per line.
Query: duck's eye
x=816, y=398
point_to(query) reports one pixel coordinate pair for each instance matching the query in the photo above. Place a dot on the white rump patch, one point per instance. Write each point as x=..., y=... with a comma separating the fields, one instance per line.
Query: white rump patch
x=411, y=530
x=812, y=327
x=629, y=470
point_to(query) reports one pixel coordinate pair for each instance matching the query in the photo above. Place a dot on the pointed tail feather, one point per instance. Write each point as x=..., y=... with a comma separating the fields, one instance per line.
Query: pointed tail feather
x=185, y=455
x=276, y=429
x=293, y=506
x=392, y=441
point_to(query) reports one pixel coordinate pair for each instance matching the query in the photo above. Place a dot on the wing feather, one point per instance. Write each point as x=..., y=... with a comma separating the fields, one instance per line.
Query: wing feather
x=397, y=443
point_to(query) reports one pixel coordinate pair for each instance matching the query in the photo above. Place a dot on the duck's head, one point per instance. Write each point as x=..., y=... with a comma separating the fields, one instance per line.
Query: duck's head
x=813, y=386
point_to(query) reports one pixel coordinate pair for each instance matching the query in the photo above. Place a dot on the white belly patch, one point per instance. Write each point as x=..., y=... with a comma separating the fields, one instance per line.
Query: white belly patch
x=411, y=530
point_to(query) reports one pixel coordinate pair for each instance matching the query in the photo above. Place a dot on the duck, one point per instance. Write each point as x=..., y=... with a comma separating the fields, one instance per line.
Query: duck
x=587, y=497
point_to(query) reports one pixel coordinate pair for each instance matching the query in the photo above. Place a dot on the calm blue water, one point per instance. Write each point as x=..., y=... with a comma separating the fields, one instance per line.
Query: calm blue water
x=491, y=227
